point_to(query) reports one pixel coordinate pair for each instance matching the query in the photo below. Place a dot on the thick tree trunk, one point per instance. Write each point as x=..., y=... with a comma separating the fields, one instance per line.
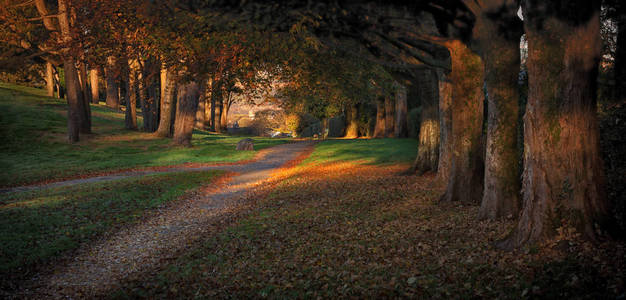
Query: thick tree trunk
x=500, y=53
x=201, y=112
x=168, y=88
x=352, y=122
x=466, y=174
x=85, y=126
x=131, y=97
x=389, y=116
x=400, y=128
x=74, y=101
x=113, y=100
x=379, y=129
x=563, y=178
x=95, y=88
x=428, y=149
x=49, y=79
x=444, y=164
x=148, y=91
x=187, y=106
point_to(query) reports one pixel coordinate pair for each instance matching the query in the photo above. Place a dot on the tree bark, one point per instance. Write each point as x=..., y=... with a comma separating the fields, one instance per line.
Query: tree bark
x=389, y=117
x=201, y=112
x=444, y=164
x=500, y=52
x=216, y=95
x=400, y=128
x=466, y=174
x=219, y=103
x=352, y=122
x=429, y=135
x=379, y=129
x=131, y=97
x=85, y=126
x=563, y=177
x=74, y=101
x=224, y=111
x=113, y=100
x=93, y=83
x=148, y=91
x=168, y=88
x=187, y=106
x=49, y=79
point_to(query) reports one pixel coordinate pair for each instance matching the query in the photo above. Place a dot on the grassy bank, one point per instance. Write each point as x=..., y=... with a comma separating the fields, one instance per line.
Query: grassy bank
x=34, y=147
x=38, y=226
x=365, y=151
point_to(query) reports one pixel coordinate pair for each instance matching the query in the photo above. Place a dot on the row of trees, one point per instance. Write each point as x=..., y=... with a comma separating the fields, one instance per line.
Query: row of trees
x=458, y=55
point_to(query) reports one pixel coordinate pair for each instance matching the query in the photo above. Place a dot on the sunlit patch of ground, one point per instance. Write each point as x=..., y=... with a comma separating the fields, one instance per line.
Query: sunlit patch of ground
x=348, y=230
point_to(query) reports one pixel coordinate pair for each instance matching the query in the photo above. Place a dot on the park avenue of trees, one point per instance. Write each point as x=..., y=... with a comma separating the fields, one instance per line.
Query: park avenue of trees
x=460, y=58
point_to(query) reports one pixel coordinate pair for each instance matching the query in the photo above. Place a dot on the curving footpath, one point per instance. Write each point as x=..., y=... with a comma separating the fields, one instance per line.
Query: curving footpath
x=99, y=266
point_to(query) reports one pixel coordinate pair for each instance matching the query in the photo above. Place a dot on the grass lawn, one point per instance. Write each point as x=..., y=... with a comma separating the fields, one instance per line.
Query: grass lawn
x=37, y=226
x=33, y=129
x=359, y=230
x=365, y=151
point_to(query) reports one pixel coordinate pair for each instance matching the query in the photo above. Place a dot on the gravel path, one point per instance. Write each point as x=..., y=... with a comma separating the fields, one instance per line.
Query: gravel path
x=99, y=266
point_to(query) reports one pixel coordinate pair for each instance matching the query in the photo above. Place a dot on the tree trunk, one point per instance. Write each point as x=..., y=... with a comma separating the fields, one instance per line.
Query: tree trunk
x=74, y=101
x=218, y=113
x=168, y=88
x=187, y=106
x=352, y=122
x=379, y=129
x=225, y=108
x=201, y=112
x=400, y=129
x=466, y=174
x=49, y=79
x=113, y=100
x=85, y=126
x=620, y=53
x=131, y=97
x=500, y=52
x=444, y=165
x=148, y=91
x=563, y=178
x=389, y=114
x=428, y=149
x=95, y=89
x=57, y=84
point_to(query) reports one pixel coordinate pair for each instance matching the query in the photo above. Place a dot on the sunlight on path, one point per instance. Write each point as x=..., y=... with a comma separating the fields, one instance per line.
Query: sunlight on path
x=97, y=267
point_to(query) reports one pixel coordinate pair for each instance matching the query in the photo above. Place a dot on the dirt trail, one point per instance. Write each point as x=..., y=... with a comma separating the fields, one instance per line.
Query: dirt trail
x=99, y=266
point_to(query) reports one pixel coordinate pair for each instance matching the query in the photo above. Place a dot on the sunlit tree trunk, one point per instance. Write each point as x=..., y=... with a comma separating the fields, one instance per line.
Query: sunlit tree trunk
x=444, y=164
x=186, y=108
x=500, y=52
x=113, y=100
x=428, y=149
x=352, y=124
x=168, y=88
x=379, y=129
x=563, y=177
x=95, y=88
x=400, y=128
x=219, y=104
x=201, y=112
x=131, y=97
x=224, y=111
x=466, y=174
x=389, y=116
x=49, y=79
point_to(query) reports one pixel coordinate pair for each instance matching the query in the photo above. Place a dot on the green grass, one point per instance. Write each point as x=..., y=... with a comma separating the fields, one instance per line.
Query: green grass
x=34, y=147
x=37, y=226
x=366, y=151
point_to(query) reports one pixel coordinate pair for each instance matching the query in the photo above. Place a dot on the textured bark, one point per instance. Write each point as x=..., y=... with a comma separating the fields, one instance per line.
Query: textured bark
x=93, y=84
x=352, y=125
x=497, y=32
x=466, y=174
x=149, y=87
x=379, y=129
x=444, y=163
x=186, y=108
x=428, y=149
x=201, y=112
x=168, y=88
x=49, y=79
x=563, y=177
x=389, y=116
x=224, y=111
x=113, y=99
x=85, y=96
x=216, y=106
x=400, y=127
x=131, y=97
x=74, y=101
x=219, y=104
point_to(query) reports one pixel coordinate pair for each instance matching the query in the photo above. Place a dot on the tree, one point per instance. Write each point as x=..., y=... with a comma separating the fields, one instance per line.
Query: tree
x=95, y=88
x=563, y=178
x=186, y=108
x=429, y=135
x=112, y=78
x=401, y=109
